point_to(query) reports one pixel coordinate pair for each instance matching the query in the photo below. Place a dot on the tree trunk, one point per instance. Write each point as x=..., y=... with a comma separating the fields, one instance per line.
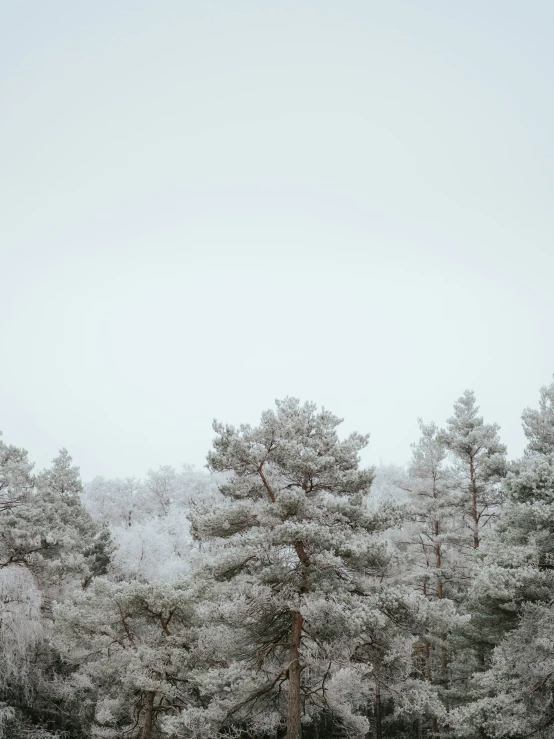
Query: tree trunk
x=427, y=654
x=474, y=512
x=378, y=717
x=294, y=726
x=440, y=595
x=146, y=732
x=429, y=677
x=438, y=560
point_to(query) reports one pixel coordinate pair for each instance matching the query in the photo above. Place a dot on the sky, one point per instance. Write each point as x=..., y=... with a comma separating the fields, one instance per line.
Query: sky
x=205, y=206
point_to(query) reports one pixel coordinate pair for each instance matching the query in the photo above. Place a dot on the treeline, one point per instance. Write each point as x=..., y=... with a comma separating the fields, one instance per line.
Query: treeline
x=278, y=595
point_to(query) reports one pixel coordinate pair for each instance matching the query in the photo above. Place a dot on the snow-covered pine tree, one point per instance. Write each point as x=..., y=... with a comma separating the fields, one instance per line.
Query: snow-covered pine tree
x=44, y=528
x=435, y=532
x=512, y=595
x=297, y=570
x=511, y=605
x=480, y=462
x=19, y=543
x=133, y=647
x=538, y=424
x=44, y=534
x=516, y=691
x=432, y=536
x=16, y=480
x=75, y=547
x=516, y=563
x=62, y=479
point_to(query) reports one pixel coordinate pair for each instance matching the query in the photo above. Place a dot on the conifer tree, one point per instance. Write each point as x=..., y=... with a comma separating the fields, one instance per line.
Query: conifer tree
x=297, y=568
x=16, y=480
x=62, y=479
x=512, y=595
x=74, y=544
x=435, y=532
x=134, y=648
x=538, y=424
x=432, y=536
x=517, y=564
x=49, y=546
x=480, y=461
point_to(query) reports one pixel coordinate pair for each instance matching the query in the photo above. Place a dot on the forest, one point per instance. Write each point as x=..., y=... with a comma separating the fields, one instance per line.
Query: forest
x=285, y=591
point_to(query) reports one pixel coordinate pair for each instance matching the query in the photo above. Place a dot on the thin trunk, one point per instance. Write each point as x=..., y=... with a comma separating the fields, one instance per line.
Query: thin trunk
x=438, y=561
x=146, y=732
x=378, y=712
x=440, y=595
x=294, y=706
x=429, y=677
x=294, y=726
x=428, y=674
x=474, y=513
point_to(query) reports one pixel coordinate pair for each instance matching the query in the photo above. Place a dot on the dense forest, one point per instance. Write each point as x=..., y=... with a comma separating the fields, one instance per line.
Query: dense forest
x=285, y=591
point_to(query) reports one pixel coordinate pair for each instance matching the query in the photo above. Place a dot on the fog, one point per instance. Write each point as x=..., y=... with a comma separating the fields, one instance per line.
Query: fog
x=206, y=207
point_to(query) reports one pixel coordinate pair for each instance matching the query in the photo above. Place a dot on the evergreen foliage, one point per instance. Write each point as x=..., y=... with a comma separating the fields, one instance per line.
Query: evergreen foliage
x=287, y=592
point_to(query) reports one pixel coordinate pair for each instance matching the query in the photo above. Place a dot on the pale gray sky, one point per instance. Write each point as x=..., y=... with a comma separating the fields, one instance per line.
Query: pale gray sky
x=209, y=205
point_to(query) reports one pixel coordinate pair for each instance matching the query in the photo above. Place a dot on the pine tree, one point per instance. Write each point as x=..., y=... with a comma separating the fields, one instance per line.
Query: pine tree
x=72, y=539
x=297, y=569
x=62, y=479
x=432, y=536
x=516, y=565
x=480, y=461
x=16, y=480
x=538, y=425
x=49, y=545
x=435, y=531
x=512, y=594
x=134, y=648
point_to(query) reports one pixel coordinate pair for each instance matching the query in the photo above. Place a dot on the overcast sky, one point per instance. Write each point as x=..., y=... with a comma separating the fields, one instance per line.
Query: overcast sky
x=209, y=205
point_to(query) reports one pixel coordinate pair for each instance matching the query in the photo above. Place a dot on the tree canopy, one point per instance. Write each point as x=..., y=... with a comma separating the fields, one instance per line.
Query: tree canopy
x=286, y=591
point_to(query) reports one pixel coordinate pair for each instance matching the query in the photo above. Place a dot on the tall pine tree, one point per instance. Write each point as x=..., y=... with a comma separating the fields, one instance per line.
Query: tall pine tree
x=297, y=569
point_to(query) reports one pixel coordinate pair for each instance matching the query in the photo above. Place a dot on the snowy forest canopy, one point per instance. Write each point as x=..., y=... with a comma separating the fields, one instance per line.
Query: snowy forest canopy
x=285, y=592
